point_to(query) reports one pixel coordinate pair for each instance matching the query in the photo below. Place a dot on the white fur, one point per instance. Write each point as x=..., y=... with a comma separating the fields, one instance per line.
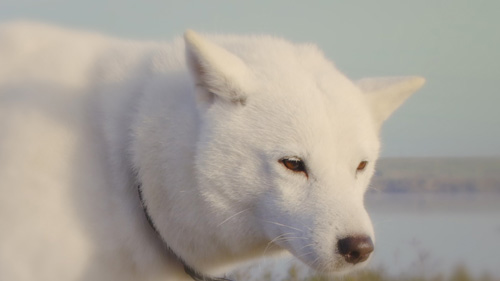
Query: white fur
x=201, y=124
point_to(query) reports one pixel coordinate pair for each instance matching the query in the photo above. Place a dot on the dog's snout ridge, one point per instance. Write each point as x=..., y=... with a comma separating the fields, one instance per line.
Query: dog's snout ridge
x=355, y=249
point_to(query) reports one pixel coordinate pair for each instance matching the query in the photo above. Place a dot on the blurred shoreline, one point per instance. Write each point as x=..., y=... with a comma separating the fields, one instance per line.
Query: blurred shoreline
x=446, y=175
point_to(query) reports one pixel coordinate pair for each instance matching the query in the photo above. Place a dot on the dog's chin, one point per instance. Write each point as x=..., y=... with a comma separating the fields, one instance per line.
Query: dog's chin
x=335, y=266
x=346, y=268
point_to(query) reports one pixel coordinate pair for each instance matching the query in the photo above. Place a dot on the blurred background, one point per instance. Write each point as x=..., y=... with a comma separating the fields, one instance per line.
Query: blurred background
x=435, y=198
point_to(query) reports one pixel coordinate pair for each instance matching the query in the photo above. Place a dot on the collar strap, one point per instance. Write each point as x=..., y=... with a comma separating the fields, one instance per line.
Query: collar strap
x=197, y=276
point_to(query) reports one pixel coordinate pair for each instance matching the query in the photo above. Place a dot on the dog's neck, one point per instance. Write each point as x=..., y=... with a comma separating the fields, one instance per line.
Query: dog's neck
x=197, y=276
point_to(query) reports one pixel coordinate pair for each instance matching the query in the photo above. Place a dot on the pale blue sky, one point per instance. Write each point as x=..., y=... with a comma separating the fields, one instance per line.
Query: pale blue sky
x=454, y=44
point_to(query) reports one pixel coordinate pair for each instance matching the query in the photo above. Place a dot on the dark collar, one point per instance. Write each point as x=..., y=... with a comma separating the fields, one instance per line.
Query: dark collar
x=197, y=276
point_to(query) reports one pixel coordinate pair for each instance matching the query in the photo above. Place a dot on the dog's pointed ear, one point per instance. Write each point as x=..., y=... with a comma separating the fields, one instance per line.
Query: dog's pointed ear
x=386, y=94
x=216, y=71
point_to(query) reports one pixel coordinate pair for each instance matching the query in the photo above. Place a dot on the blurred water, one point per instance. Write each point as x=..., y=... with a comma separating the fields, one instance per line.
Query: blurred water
x=433, y=233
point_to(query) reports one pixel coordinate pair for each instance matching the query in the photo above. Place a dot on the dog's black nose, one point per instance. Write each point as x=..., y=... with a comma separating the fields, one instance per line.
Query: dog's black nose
x=355, y=249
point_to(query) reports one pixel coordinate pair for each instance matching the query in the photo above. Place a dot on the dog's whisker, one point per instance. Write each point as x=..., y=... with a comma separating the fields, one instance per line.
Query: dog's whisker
x=232, y=216
x=280, y=224
x=277, y=238
x=305, y=254
x=308, y=245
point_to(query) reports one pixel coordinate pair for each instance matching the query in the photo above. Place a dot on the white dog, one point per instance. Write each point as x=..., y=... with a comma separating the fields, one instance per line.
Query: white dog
x=124, y=160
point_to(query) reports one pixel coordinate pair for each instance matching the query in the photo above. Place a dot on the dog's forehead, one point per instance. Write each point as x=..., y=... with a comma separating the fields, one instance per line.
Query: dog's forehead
x=321, y=110
x=306, y=87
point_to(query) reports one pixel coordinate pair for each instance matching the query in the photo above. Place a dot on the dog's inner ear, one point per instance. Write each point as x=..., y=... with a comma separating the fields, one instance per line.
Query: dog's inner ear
x=386, y=94
x=217, y=73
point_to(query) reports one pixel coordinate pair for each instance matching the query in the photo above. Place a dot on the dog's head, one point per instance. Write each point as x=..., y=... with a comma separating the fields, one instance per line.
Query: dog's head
x=288, y=145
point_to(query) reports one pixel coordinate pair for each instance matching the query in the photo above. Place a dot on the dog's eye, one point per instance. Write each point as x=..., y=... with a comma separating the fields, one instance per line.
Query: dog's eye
x=361, y=166
x=294, y=164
